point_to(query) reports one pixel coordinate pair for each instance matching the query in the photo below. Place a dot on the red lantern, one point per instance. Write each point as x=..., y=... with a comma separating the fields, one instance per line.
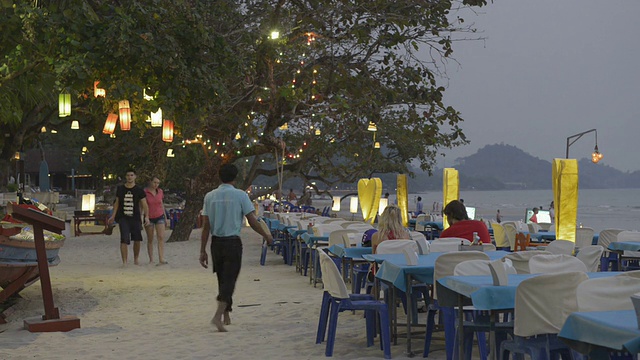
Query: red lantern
x=125, y=115
x=167, y=130
x=110, y=124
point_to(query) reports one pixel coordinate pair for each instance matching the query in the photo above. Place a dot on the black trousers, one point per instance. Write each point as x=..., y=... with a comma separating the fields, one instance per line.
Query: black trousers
x=226, y=257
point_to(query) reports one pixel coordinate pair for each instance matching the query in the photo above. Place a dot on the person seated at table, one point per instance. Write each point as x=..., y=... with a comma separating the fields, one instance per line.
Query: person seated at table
x=389, y=227
x=461, y=226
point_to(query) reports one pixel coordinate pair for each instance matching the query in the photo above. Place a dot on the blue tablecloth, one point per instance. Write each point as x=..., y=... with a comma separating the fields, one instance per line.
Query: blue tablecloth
x=551, y=235
x=610, y=329
x=394, y=267
x=311, y=240
x=294, y=232
x=350, y=252
x=627, y=245
x=485, y=296
x=433, y=224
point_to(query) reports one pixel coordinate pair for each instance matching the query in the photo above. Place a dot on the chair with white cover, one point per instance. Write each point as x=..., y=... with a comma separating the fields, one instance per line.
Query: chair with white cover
x=336, y=237
x=336, y=299
x=488, y=247
x=396, y=246
x=542, y=305
x=590, y=256
x=606, y=237
x=607, y=293
x=346, y=224
x=534, y=228
x=584, y=237
x=510, y=232
x=499, y=236
x=479, y=267
x=415, y=235
x=629, y=259
x=444, y=266
x=447, y=244
x=421, y=218
x=558, y=246
x=424, y=247
x=521, y=259
x=556, y=263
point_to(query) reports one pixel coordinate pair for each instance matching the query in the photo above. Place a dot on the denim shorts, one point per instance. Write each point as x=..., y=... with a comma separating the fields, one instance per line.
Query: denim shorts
x=158, y=220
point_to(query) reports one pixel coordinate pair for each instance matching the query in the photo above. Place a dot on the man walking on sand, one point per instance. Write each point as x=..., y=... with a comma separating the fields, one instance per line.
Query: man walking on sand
x=130, y=204
x=223, y=212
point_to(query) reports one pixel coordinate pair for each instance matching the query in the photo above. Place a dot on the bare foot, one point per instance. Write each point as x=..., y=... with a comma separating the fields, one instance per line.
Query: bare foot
x=227, y=318
x=216, y=321
x=136, y=262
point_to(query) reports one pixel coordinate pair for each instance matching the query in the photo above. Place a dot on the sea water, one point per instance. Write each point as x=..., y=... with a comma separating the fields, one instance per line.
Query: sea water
x=597, y=208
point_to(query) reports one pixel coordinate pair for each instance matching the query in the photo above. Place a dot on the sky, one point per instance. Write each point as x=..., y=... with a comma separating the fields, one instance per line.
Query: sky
x=546, y=70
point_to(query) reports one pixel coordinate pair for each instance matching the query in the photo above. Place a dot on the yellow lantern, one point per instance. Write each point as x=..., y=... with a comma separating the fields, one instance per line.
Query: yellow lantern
x=167, y=131
x=64, y=105
x=125, y=115
x=156, y=118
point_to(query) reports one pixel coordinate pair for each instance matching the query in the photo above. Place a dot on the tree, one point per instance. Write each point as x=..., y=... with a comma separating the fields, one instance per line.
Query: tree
x=300, y=102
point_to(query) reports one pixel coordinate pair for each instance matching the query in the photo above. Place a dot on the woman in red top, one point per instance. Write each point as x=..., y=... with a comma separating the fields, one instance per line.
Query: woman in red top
x=460, y=226
x=157, y=219
x=389, y=227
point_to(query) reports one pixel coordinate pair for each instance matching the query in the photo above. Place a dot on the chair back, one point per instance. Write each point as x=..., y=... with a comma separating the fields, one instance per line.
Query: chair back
x=423, y=246
x=544, y=302
x=446, y=263
x=520, y=260
x=590, y=256
x=346, y=224
x=556, y=263
x=499, y=235
x=534, y=228
x=488, y=247
x=415, y=235
x=607, y=236
x=565, y=247
x=331, y=278
x=522, y=241
x=584, y=237
x=472, y=267
x=421, y=218
x=510, y=232
x=447, y=244
x=396, y=246
x=325, y=229
x=629, y=236
x=360, y=227
x=607, y=293
x=336, y=237
x=352, y=239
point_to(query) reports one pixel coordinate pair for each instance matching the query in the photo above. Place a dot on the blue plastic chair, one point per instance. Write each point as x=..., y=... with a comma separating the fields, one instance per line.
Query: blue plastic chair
x=336, y=299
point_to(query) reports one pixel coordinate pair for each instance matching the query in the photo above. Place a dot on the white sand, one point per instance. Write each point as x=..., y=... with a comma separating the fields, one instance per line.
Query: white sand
x=163, y=312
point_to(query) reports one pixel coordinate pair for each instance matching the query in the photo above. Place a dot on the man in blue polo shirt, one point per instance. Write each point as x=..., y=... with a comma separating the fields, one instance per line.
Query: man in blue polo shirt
x=223, y=212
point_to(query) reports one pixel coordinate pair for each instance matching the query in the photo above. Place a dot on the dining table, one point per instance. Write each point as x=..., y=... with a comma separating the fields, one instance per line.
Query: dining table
x=595, y=333
x=480, y=291
x=349, y=256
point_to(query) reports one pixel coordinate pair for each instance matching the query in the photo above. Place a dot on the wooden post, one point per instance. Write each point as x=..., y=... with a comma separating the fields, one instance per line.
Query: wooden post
x=51, y=321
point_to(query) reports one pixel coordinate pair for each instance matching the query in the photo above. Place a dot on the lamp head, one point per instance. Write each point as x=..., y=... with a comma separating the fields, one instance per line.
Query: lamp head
x=596, y=156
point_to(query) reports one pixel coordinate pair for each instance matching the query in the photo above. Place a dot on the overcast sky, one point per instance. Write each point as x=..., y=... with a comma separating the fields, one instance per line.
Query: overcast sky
x=547, y=70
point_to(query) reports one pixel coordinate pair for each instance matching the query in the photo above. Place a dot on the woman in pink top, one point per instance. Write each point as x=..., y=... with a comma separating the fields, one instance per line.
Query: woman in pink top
x=157, y=219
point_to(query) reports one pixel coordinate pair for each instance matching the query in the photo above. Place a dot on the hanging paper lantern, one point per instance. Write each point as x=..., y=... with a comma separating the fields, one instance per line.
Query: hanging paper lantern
x=110, y=124
x=43, y=129
x=170, y=153
x=125, y=115
x=75, y=125
x=167, y=130
x=91, y=138
x=98, y=91
x=64, y=105
x=156, y=118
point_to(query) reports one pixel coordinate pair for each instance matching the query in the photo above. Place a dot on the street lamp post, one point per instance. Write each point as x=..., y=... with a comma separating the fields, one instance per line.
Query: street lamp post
x=596, y=156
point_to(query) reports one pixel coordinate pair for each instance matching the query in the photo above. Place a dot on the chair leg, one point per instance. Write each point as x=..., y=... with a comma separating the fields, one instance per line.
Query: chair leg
x=385, y=338
x=449, y=329
x=324, y=314
x=370, y=319
x=333, y=326
x=431, y=323
x=263, y=254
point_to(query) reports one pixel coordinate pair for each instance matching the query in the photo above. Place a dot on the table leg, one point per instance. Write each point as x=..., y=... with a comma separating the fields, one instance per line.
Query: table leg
x=408, y=292
x=461, y=327
x=493, y=318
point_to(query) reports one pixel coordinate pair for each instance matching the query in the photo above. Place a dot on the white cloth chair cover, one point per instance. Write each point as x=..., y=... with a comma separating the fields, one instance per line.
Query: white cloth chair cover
x=420, y=218
x=584, y=237
x=510, y=232
x=606, y=237
x=346, y=224
x=415, y=235
x=607, y=293
x=396, y=246
x=590, y=256
x=325, y=229
x=446, y=263
x=480, y=267
x=565, y=247
x=331, y=277
x=447, y=244
x=499, y=235
x=544, y=302
x=520, y=259
x=534, y=228
x=353, y=239
x=557, y=263
x=336, y=237
x=424, y=247
x=630, y=236
x=488, y=247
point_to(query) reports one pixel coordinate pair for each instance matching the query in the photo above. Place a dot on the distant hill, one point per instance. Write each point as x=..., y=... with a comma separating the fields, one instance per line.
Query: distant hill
x=502, y=167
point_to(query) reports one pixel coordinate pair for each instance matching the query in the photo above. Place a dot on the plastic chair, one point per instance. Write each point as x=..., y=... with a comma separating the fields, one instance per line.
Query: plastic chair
x=607, y=293
x=584, y=237
x=558, y=247
x=590, y=256
x=553, y=264
x=336, y=299
x=415, y=235
x=629, y=259
x=277, y=242
x=510, y=232
x=420, y=218
x=444, y=266
x=542, y=305
x=521, y=259
x=423, y=246
x=606, y=237
x=500, y=237
x=447, y=244
x=396, y=246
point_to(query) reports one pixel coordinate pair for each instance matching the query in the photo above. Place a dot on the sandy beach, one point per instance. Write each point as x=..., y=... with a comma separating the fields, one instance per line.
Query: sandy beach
x=163, y=312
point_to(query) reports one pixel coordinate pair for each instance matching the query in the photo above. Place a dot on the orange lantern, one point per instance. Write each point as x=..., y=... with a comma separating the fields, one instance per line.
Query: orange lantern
x=110, y=124
x=125, y=115
x=98, y=91
x=167, y=130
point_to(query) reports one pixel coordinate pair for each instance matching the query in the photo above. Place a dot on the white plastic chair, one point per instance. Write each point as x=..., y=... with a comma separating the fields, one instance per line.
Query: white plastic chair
x=584, y=237
x=630, y=236
x=590, y=256
x=352, y=239
x=607, y=293
x=420, y=218
x=606, y=237
x=336, y=237
x=558, y=247
x=521, y=259
x=447, y=244
x=396, y=246
x=479, y=267
x=499, y=235
x=553, y=264
x=542, y=305
x=510, y=232
x=415, y=235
